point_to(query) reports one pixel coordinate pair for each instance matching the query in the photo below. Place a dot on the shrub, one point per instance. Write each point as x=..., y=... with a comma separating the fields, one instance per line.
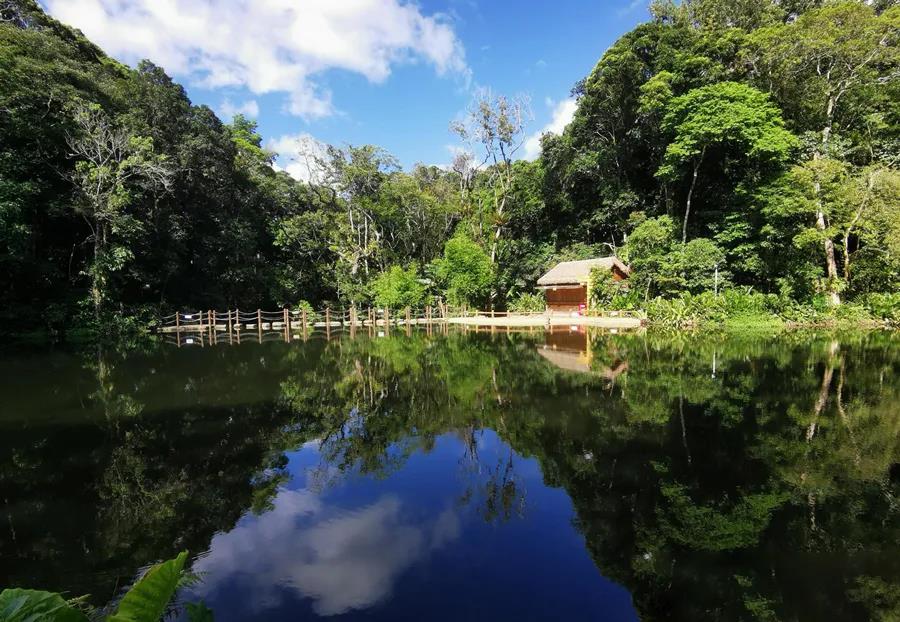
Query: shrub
x=304, y=305
x=465, y=271
x=528, y=302
x=397, y=288
x=605, y=289
x=883, y=306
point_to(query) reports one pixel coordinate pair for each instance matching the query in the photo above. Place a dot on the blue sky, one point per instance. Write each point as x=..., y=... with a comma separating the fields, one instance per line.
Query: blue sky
x=385, y=72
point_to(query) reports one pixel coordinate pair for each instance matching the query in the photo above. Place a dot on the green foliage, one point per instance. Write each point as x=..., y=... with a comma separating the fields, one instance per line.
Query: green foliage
x=525, y=302
x=465, y=272
x=305, y=305
x=199, y=612
x=606, y=292
x=148, y=599
x=719, y=527
x=733, y=308
x=728, y=122
x=397, y=288
x=18, y=605
x=688, y=122
x=726, y=115
x=883, y=306
x=663, y=266
x=880, y=598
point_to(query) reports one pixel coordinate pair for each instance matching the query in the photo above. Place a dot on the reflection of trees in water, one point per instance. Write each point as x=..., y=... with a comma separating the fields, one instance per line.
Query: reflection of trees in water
x=722, y=527
x=696, y=477
x=492, y=487
x=121, y=479
x=717, y=477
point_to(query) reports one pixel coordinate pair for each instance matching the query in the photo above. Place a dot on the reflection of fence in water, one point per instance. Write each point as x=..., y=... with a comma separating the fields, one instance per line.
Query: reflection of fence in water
x=203, y=328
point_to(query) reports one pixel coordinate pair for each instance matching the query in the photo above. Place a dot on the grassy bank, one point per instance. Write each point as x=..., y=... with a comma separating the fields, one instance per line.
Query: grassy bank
x=738, y=310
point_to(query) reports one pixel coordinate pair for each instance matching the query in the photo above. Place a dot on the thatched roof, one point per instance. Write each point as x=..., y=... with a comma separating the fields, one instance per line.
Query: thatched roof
x=578, y=272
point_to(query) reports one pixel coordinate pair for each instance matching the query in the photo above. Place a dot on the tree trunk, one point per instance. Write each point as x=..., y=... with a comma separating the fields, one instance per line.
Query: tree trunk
x=690, y=196
x=98, y=275
x=96, y=296
x=830, y=261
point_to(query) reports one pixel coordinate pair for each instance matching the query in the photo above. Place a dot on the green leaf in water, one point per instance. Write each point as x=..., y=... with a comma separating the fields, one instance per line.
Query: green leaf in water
x=17, y=605
x=147, y=600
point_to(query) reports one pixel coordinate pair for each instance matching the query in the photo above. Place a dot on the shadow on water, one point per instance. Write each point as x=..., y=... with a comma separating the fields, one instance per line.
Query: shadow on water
x=521, y=475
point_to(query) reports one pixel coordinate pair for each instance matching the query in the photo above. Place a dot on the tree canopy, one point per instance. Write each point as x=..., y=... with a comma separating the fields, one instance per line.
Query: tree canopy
x=768, y=129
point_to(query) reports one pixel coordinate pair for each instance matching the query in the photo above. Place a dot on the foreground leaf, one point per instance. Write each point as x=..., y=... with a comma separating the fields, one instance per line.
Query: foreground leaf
x=17, y=605
x=147, y=600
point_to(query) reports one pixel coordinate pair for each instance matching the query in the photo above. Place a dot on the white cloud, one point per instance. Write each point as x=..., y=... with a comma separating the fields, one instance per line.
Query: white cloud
x=249, y=109
x=297, y=155
x=563, y=112
x=340, y=560
x=269, y=45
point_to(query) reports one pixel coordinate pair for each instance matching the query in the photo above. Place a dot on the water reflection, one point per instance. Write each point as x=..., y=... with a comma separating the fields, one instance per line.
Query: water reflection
x=341, y=560
x=749, y=477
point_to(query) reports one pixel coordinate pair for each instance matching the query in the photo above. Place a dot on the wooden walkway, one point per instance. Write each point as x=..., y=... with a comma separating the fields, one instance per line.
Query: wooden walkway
x=287, y=324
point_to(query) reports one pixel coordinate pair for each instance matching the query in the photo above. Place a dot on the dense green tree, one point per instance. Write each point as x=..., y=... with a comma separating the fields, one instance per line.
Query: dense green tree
x=397, y=288
x=111, y=166
x=661, y=266
x=827, y=69
x=727, y=122
x=465, y=271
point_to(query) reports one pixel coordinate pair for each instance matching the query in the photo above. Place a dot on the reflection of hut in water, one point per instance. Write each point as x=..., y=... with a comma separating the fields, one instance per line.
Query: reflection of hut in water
x=572, y=349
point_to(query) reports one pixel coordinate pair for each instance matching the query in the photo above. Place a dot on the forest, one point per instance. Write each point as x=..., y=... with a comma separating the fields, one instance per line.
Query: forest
x=744, y=151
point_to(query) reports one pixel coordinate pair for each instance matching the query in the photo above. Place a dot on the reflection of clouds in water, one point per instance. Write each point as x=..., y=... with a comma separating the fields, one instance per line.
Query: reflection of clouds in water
x=344, y=561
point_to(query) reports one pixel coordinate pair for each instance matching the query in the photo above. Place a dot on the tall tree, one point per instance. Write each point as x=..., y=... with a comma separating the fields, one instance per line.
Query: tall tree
x=495, y=127
x=736, y=121
x=818, y=66
x=112, y=166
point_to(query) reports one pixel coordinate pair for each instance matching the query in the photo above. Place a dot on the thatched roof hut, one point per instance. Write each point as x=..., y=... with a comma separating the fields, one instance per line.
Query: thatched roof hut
x=579, y=272
x=566, y=285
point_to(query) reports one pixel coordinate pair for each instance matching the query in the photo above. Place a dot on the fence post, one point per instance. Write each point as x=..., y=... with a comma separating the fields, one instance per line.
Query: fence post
x=387, y=321
x=259, y=324
x=287, y=325
x=303, y=320
x=177, y=323
x=327, y=323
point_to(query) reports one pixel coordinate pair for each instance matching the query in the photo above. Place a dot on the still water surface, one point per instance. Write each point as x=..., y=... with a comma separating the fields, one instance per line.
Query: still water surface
x=563, y=476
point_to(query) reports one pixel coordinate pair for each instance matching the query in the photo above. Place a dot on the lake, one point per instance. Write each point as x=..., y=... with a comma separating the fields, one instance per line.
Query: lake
x=531, y=476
